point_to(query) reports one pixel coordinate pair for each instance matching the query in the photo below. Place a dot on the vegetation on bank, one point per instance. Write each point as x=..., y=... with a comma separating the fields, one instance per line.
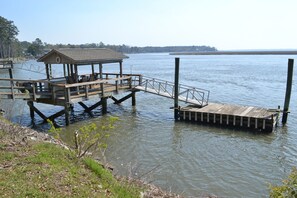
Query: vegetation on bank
x=288, y=187
x=33, y=168
x=11, y=47
x=34, y=164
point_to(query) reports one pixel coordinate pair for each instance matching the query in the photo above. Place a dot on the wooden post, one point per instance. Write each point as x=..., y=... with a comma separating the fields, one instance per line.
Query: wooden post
x=100, y=71
x=47, y=72
x=104, y=105
x=176, y=83
x=64, y=70
x=11, y=82
x=288, y=90
x=121, y=72
x=76, y=73
x=68, y=70
x=67, y=116
x=121, y=68
x=66, y=105
x=76, y=77
x=93, y=71
x=50, y=71
x=31, y=104
x=71, y=72
x=133, y=99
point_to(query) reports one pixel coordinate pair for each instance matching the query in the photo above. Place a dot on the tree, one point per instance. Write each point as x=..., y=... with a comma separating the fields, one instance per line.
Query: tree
x=36, y=48
x=8, y=33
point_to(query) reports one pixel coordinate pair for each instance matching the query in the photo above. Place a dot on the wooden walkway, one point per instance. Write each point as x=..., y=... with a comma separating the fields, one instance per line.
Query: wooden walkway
x=187, y=94
x=58, y=92
x=235, y=116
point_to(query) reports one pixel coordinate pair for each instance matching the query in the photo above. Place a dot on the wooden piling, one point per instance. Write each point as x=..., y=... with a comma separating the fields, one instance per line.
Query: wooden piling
x=31, y=104
x=288, y=91
x=133, y=99
x=104, y=105
x=67, y=115
x=176, y=91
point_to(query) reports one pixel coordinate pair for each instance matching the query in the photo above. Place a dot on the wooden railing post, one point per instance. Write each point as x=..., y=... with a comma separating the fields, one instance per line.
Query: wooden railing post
x=117, y=85
x=12, y=89
x=34, y=92
x=102, y=89
x=86, y=91
x=54, y=93
x=130, y=82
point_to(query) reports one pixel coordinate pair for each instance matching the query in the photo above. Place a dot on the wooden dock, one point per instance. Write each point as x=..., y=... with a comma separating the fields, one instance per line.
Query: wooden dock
x=233, y=116
x=73, y=87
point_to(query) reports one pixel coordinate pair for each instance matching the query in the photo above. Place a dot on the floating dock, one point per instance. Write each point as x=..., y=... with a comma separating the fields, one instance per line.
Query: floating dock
x=233, y=116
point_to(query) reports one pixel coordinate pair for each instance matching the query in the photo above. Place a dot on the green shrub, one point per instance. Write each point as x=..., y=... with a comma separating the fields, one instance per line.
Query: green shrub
x=288, y=188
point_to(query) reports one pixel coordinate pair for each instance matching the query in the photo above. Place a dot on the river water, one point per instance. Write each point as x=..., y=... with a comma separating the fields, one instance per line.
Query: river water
x=186, y=158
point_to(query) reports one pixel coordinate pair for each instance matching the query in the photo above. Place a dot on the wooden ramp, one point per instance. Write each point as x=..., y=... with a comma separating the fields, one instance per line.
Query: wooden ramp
x=167, y=95
x=192, y=95
x=245, y=117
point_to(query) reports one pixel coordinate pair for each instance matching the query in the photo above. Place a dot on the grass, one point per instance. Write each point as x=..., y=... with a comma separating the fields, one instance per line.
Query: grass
x=47, y=170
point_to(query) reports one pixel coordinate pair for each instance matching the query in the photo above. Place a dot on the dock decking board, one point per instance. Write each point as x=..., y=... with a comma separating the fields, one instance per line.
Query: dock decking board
x=253, y=118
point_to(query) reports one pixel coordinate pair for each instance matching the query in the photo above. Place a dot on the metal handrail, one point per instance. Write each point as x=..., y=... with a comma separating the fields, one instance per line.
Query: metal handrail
x=187, y=94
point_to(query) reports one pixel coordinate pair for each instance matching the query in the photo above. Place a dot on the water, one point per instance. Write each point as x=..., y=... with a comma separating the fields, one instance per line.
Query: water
x=186, y=158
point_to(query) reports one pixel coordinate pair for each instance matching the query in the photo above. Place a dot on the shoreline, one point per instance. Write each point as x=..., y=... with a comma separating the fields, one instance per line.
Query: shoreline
x=266, y=52
x=14, y=135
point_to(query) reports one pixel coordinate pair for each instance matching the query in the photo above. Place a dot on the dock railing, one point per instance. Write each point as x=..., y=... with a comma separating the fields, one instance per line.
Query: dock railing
x=57, y=87
x=164, y=88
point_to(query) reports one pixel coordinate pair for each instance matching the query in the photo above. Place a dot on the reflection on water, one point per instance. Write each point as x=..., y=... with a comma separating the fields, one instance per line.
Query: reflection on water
x=188, y=158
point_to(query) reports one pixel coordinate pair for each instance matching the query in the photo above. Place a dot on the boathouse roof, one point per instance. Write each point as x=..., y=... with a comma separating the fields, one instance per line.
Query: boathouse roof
x=81, y=56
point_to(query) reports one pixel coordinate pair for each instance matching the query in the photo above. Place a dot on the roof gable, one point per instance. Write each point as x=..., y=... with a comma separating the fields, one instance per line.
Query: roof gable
x=81, y=56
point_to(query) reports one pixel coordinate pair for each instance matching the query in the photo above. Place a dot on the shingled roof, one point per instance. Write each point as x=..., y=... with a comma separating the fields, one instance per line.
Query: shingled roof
x=81, y=56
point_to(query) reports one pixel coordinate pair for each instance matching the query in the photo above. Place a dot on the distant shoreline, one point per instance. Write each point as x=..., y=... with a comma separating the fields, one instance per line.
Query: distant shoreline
x=238, y=53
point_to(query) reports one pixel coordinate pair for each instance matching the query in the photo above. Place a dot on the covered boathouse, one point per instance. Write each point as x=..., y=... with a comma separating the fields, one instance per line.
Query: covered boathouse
x=73, y=87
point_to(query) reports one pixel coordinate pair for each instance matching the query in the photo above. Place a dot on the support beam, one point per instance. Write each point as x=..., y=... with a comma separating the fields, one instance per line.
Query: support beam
x=122, y=99
x=176, y=79
x=34, y=109
x=288, y=90
x=115, y=100
x=91, y=108
x=87, y=109
x=58, y=114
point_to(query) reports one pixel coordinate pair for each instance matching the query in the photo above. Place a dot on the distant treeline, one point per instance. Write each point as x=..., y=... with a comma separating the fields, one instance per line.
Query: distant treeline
x=11, y=47
x=133, y=49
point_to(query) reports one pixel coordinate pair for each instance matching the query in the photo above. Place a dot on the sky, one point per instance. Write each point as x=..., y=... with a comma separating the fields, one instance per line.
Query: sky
x=224, y=24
